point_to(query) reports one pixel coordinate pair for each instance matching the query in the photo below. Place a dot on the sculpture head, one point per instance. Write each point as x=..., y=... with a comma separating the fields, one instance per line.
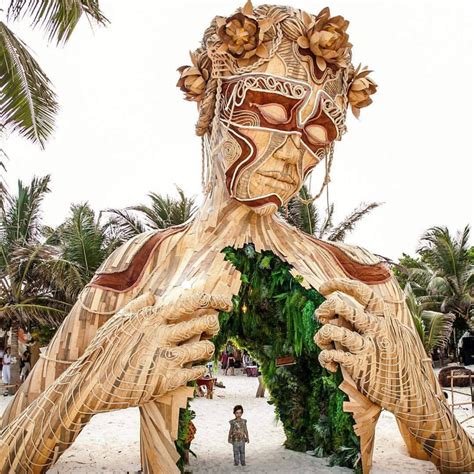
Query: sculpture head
x=273, y=85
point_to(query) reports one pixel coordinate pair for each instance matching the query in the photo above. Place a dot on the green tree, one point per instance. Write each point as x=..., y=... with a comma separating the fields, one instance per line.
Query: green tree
x=28, y=104
x=82, y=242
x=25, y=295
x=164, y=211
x=443, y=277
x=307, y=217
x=433, y=327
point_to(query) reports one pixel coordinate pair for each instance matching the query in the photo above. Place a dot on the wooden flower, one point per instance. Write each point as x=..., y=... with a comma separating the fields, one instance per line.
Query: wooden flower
x=327, y=39
x=360, y=90
x=193, y=80
x=244, y=36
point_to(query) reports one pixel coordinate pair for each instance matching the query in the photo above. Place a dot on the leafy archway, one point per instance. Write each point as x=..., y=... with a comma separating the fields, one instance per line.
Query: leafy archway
x=273, y=317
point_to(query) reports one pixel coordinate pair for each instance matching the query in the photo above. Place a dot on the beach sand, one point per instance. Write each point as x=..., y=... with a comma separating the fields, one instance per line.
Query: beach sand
x=110, y=443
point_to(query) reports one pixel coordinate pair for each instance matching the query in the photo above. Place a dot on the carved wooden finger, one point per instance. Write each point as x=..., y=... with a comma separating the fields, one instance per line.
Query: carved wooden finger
x=181, y=377
x=191, y=352
x=331, y=358
x=189, y=304
x=334, y=307
x=202, y=325
x=361, y=292
x=140, y=302
x=329, y=334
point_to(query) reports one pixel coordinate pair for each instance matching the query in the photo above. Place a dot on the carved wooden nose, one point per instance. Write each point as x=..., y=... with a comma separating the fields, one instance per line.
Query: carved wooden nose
x=290, y=151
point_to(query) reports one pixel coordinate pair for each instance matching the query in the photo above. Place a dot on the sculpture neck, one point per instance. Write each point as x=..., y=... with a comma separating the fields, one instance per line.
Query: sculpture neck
x=230, y=217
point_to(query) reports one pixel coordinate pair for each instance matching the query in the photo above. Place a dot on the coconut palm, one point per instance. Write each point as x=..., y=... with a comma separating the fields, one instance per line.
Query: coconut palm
x=25, y=297
x=305, y=215
x=28, y=103
x=164, y=211
x=443, y=276
x=82, y=242
x=433, y=327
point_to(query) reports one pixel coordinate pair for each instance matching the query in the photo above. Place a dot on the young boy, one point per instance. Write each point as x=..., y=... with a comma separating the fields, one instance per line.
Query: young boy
x=238, y=435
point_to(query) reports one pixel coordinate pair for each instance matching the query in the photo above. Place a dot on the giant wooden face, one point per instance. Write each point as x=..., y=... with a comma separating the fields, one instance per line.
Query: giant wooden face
x=278, y=122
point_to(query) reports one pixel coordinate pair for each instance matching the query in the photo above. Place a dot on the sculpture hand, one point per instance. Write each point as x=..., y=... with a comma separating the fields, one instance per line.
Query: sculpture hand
x=136, y=357
x=388, y=364
x=141, y=353
x=375, y=351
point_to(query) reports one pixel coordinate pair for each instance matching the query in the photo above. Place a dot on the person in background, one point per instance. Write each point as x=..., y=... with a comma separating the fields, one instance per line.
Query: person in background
x=25, y=365
x=6, y=370
x=238, y=435
x=238, y=359
x=246, y=360
x=224, y=360
x=2, y=352
x=230, y=364
x=464, y=353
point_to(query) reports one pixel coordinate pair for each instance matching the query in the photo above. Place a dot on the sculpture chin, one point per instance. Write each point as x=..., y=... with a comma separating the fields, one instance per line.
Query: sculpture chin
x=266, y=209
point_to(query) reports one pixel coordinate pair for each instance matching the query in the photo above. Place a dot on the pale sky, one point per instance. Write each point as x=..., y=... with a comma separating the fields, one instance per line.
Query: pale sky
x=124, y=129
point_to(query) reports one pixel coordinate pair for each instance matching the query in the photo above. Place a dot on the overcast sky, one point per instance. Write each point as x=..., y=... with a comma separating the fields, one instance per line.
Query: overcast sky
x=124, y=129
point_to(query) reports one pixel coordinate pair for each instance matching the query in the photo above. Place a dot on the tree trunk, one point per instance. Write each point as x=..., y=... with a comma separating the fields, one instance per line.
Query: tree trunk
x=15, y=366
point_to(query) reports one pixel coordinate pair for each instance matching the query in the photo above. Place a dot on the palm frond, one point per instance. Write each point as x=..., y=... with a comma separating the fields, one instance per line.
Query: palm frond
x=45, y=311
x=28, y=104
x=302, y=215
x=339, y=232
x=58, y=18
x=433, y=327
x=166, y=211
x=124, y=224
x=42, y=268
x=82, y=239
x=21, y=220
x=327, y=223
x=438, y=329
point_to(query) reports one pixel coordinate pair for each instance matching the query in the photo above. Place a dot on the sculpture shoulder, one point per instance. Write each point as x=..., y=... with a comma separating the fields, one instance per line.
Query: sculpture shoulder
x=356, y=253
x=123, y=268
x=357, y=263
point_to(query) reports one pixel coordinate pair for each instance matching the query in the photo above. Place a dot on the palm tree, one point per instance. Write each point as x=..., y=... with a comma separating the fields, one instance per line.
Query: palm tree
x=82, y=243
x=25, y=296
x=433, y=327
x=307, y=217
x=28, y=103
x=443, y=276
x=164, y=211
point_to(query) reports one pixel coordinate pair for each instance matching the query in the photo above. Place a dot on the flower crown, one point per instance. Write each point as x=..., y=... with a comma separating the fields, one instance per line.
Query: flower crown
x=247, y=39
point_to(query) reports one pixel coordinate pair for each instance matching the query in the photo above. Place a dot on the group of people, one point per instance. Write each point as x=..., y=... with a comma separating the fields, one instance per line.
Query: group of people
x=233, y=358
x=6, y=362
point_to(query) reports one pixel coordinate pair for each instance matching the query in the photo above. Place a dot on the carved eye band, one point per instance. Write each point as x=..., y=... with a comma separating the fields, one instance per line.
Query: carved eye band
x=317, y=134
x=273, y=113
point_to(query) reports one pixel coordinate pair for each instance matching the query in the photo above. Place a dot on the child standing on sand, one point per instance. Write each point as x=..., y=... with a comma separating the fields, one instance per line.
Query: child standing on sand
x=238, y=435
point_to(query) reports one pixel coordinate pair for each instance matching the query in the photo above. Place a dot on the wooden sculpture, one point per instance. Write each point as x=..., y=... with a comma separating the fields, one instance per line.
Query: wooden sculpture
x=273, y=85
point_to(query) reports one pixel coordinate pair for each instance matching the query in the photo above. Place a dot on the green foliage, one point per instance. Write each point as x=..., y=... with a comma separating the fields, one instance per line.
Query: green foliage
x=28, y=101
x=442, y=275
x=43, y=334
x=26, y=296
x=186, y=415
x=433, y=327
x=165, y=211
x=303, y=214
x=273, y=316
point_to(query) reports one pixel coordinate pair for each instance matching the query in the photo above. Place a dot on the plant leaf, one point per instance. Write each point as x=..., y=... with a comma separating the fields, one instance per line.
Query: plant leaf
x=58, y=18
x=28, y=104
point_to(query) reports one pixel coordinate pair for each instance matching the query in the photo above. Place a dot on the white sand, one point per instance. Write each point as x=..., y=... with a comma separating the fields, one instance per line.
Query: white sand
x=110, y=443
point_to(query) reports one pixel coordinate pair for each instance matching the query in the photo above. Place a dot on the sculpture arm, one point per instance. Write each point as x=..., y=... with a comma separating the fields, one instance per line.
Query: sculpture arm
x=136, y=357
x=388, y=363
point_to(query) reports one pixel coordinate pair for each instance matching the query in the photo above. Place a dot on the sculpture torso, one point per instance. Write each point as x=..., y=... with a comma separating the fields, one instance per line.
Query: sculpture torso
x=189, y=257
